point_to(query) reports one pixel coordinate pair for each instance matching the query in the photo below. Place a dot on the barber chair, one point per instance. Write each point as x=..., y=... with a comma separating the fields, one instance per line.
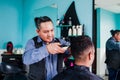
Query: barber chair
x=11, y=72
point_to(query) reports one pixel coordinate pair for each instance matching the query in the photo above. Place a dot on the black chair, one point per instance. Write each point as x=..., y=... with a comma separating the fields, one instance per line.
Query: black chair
x=11, y=72
x=118, y=75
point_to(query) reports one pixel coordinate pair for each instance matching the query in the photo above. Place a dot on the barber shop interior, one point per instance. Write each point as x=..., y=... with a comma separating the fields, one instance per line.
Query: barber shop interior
x=38, y=32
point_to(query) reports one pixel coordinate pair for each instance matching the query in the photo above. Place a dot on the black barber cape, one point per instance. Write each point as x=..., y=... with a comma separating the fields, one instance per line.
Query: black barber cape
x=76, y=73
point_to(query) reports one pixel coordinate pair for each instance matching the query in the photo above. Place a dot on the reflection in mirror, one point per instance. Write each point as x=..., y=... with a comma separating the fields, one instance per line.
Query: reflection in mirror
x=50, y=11
x=107, y=18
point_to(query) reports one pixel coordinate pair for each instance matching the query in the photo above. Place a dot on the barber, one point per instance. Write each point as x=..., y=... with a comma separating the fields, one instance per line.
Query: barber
x=44, y=60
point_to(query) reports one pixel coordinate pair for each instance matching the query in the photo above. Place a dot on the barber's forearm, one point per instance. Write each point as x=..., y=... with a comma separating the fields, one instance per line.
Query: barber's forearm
x=35, y=55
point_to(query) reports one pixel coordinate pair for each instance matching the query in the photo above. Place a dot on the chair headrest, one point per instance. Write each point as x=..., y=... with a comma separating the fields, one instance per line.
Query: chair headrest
x=9, y=69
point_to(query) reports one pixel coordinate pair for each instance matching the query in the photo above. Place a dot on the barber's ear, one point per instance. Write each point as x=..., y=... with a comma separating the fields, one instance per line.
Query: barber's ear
x=37, y=30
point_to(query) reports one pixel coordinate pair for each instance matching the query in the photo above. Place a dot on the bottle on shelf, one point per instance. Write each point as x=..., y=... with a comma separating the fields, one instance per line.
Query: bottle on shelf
x=62, y=20
x=74, y=30
x=79, y=30
x=70, y=32
x=58, y=22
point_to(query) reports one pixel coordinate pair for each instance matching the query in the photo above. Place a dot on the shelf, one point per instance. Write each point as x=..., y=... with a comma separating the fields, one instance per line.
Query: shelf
x=64, y=25
x=74, y=35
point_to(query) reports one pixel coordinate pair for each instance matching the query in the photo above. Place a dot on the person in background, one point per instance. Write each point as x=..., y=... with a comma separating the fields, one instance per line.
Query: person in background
x=82, y=49
x=44, y=53
x=113, y=54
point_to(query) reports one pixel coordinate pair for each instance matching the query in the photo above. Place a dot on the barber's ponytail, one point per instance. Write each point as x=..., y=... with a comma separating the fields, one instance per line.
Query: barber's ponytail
x=113, y=32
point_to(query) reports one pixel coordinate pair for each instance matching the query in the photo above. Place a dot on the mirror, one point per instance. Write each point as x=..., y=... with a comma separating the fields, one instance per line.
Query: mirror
x=107, y=17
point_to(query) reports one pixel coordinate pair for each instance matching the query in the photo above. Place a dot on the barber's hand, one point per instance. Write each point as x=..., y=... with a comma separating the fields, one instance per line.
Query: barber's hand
x=54, y=48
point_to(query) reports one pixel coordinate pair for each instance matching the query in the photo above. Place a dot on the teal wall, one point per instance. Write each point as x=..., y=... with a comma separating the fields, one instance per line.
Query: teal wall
x=98, y=27
x=118, y=21
x=16, y=18
x=11, y=22
x=106, y=21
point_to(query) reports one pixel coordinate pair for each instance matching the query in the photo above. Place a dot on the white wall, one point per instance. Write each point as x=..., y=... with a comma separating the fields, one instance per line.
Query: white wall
x=101, y=66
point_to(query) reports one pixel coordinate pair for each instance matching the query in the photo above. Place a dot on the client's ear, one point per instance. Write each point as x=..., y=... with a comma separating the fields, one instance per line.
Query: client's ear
x=90, y=54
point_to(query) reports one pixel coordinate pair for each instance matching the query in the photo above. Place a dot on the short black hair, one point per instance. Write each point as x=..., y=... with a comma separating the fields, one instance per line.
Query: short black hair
x=113, y=32
x=79, y=44
x=39, y=20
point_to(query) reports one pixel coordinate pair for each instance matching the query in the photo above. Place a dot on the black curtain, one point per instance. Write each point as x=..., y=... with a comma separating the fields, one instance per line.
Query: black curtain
x=71, y=12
